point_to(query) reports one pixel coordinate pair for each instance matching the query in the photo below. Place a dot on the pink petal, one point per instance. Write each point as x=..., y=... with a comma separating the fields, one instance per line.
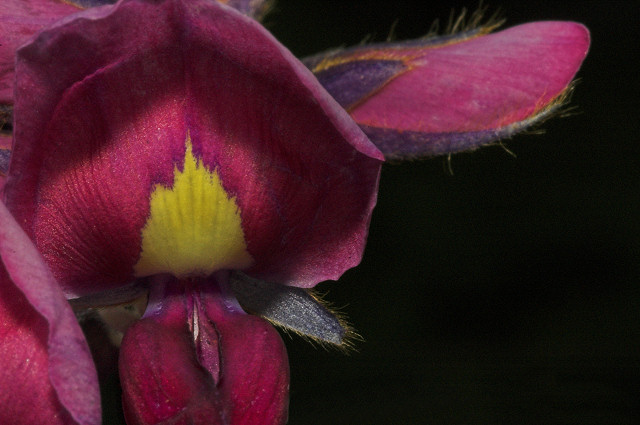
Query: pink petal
x=91, y=143
x=444, y=95
x=85, y=4
x=24, y=378
x=197, y=358
x=483, y=83
x=19, y=20
x=47, y=372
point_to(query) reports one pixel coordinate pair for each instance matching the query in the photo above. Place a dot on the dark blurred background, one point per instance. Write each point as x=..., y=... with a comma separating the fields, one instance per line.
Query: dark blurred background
x=508, y=292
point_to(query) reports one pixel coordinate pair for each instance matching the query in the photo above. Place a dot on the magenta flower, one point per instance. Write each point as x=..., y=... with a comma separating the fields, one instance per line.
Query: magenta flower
x=195, y=161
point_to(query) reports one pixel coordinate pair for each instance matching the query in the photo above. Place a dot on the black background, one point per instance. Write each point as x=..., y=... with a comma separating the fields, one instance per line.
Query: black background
x=508, y=292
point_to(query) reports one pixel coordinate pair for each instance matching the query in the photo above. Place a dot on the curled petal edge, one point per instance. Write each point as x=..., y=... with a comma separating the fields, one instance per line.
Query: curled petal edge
x=71, y=371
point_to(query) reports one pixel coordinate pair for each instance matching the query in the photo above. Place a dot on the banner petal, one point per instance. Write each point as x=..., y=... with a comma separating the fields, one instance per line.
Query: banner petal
x=126, y=116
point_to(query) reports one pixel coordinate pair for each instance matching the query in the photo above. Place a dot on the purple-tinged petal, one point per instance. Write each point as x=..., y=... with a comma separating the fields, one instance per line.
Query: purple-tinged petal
x=47, y=372
x=24, y=377
x=292, y=308
x=94, y=143
x=402, y=145
x=19, y=20
x=197, y=358
x=6, y=139
x=456, y=93
x=86, y=4
x=351, y=82
x=122, y=295
x=253, y=8
x=5, y=156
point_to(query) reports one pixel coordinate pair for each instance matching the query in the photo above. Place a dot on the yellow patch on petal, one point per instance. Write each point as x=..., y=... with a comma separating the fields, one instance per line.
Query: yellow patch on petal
x=194, y=227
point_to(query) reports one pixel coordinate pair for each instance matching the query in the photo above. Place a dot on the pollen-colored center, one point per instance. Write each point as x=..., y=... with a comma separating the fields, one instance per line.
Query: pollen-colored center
x=194, y=227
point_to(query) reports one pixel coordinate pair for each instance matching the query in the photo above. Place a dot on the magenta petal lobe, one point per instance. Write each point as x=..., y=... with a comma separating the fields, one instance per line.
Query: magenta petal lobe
x=19, y=20
x=23, y=353
x=457, y=92
x=197, y=358
x=42, y=342
x=85, y=4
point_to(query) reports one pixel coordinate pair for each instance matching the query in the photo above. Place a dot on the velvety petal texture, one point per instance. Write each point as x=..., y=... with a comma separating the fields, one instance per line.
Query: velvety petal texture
x=127, y=119
x=47, y=374
x=19, y=20
x=85, y=4
x=197, y=358
x=443, y=95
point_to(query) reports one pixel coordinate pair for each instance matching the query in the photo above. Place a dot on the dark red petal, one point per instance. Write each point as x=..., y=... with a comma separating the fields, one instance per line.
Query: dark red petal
x=47, y=373
x=24, y=377
x=19, y=20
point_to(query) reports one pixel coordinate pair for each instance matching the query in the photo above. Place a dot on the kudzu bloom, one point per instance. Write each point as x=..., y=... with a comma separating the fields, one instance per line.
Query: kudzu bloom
x=173, y=149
